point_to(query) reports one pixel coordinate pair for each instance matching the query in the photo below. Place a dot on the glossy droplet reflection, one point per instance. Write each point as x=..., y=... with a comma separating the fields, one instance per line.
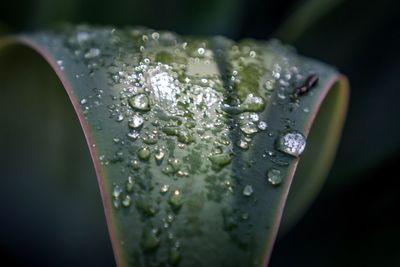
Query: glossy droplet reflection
x=274, y=177
x=248, y=190
x=136, y=121
x=140, y=102
x=292, y=143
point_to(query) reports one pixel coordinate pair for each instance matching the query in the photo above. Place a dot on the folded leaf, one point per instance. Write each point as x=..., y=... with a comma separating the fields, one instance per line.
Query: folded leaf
x=195, y=141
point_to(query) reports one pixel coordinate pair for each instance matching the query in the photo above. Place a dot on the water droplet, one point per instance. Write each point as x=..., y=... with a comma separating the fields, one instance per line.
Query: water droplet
x=243, y=144
x=135, y=164
x=252, y=53
x=116, y=203
x=83, y=101
x=92, y=53
x=133, y=135
x=274, y=177
x=248, y=127
x=150, y=138
x=60, y=63
x=129, y=185
x=220, y=160
x=252, y=103
x=136, y=121
x=292, y=143
x=117, y=190
x=185, y=137
x=269, y=85
x=248, y=190
x=120, y=118
x=150, y=241
x=175, y=200
x=144, y=153
x=254, y=117
x=155, y=35
x=168, y=170
x=262, y=125
x=201, y=51
x=126, y=202
x=82, y=37
x=164, y=188
x=159, y=155
x=140, y=102
x=175, y=164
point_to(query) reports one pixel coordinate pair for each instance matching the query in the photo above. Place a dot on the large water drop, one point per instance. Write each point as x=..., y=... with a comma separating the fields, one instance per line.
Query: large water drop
x=292, y=143
x=274, y=177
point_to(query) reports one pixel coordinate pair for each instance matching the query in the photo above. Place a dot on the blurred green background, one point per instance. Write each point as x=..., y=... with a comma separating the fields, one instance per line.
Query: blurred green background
x=354, y=221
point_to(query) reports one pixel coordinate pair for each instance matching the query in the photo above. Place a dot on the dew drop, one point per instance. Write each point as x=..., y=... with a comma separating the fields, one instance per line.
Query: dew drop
x=159, y=155
x=201, y=51
x=167, y=170
x=129, y=185
x=116, y=203
x=60, y=63
x=252, y=103
x=243, y=144
x=244, y=216
x=274, y=177
x=269, y=85
x=164, y=188
x=155, y=35
x=144, y=153
x=120, y=118
x=254, y=117
x=262, y=125
x=175, y=164
x=136, y=121
x=175, y=200
x=140, y=102
x=83, y=101
x=135, y=164
x=133, y=135
x=292, y=143
x=248, y=127
x=126, y=202
x=150, y=138
x=220, y=160
x=248, y=190
x=92, y=53
x=117, y=190
x=82, y=37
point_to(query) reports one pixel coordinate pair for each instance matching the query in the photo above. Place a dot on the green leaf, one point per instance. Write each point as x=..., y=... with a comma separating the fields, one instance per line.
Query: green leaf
x=305, y=16
x=194, y=141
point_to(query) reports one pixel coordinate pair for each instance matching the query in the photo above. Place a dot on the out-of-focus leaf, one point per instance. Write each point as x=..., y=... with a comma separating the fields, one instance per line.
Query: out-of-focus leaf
x=201, y=17
x=304, y=16
x=194, y=141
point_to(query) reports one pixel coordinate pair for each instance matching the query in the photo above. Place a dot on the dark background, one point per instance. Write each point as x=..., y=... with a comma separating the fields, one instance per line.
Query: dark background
x=354, y=221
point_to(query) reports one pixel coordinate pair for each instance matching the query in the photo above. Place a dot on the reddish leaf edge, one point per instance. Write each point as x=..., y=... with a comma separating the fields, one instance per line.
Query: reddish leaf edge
x=337, y=82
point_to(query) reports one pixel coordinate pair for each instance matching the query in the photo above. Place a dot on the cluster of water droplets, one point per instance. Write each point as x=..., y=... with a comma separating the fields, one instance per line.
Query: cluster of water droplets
x=184, y=114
